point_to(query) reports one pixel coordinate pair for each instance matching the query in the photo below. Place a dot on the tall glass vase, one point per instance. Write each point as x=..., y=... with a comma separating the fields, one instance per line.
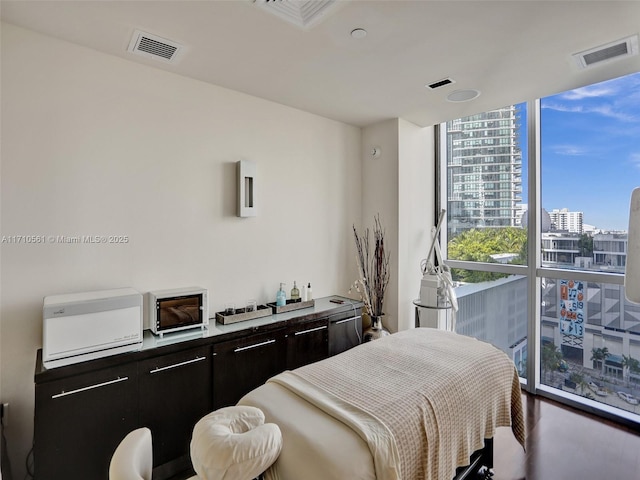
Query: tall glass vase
x=376, y=329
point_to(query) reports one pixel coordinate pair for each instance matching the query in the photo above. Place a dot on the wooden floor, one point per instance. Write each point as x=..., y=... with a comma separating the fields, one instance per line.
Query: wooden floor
x=563, y=443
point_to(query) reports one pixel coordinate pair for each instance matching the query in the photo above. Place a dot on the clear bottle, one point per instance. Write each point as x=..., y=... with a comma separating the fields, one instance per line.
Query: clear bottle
x=295, y=293
x=308, y=297
x=281, y=297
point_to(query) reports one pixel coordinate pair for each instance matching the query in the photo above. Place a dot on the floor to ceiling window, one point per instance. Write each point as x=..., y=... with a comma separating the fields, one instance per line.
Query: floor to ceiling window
x=537, y=198
x=484, y=159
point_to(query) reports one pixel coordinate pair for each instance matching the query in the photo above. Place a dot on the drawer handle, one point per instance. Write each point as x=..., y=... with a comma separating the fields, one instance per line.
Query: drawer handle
x=240, y=349
x=310, y=330
x=175, y=365
x=90, y=387
x=347, y=320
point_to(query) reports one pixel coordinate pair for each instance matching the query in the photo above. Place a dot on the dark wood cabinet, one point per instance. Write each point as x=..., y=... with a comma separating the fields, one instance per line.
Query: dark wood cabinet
x=307, y=343
x=175, y=392
x=81, y=419
x=345, y=331
x=242, y=364
x=84, y=410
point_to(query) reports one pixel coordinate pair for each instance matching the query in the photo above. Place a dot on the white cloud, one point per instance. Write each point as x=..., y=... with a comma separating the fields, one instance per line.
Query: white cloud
x=562, y=107
x=594, y=91
x=634, y=158
x=609, y=111
x=604, y=109
x=618, y=98
x=569, y=150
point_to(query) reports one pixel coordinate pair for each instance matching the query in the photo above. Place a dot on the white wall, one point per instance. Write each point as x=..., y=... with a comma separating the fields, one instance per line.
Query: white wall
x=380, y=197
x=96, y=145
x=400, y=186
x=416, y=212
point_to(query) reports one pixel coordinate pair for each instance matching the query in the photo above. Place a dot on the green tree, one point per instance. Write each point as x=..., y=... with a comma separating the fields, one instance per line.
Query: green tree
x=477, y=245
x=585, y=245
x=579, y=380
x=598, y=357
x=631, y=365
x=551, y=358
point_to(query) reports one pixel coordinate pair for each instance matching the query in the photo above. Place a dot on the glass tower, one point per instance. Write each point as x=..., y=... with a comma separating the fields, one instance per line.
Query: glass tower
x=484, y=170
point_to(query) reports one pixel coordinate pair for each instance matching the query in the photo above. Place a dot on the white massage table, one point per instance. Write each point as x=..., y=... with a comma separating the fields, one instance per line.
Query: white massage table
x=355, y=416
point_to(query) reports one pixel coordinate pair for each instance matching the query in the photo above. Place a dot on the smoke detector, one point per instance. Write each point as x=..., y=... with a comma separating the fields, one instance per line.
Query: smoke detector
x=302, y=13
x=152, y=46
x=626, y=47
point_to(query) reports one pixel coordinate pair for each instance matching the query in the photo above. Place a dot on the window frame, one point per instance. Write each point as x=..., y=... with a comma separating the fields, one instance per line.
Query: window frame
x=534, y=270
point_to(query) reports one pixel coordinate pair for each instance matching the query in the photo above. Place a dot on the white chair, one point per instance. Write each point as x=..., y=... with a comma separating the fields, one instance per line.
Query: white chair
x=133, y=457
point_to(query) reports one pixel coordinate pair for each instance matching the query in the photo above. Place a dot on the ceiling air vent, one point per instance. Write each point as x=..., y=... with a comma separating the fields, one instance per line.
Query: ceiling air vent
x=441, y=83
x=626, y=47
x=303, y=13
x=152, y=46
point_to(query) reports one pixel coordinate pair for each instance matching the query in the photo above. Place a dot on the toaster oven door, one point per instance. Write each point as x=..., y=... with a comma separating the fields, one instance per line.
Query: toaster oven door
x=179, y=312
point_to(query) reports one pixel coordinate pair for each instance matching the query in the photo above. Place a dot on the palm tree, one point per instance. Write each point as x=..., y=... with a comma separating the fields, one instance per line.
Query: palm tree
x=626, y=367
x=551, y=358
x=596, y=357
x=579, y=380
x=599, y=356
x=632, y=365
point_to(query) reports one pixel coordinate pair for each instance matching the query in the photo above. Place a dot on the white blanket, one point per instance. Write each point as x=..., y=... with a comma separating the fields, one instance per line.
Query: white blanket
x=316, y=446
x=423, y=400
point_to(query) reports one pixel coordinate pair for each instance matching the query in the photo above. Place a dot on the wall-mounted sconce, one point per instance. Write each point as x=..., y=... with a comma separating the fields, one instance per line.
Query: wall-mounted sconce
x=376, y=152
x=246, y=172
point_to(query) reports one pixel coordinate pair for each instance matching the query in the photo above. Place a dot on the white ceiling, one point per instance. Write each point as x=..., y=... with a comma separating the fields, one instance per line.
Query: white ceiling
x=511, y=51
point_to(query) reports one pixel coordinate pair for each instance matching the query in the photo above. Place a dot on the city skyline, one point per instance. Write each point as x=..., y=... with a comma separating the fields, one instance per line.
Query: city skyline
x=589, y=164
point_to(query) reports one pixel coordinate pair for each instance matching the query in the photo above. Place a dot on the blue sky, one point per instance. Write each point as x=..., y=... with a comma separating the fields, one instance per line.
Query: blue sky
x=591, y=151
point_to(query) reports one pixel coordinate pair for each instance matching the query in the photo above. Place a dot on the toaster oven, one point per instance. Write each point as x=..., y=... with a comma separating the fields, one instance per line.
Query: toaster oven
x=178, y=309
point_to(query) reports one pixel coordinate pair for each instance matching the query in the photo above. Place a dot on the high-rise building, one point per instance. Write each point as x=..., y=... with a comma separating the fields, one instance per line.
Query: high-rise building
x=566, y=221
x=484, y=170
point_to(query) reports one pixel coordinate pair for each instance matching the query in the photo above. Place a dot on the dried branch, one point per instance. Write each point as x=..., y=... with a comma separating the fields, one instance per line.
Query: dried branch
x=373, y=269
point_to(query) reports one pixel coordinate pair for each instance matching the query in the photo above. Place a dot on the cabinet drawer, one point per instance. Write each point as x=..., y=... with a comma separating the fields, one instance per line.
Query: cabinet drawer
x=345, y=332
x=307, y=343
x=80, y=420
x=241, y=365
x=175, y=392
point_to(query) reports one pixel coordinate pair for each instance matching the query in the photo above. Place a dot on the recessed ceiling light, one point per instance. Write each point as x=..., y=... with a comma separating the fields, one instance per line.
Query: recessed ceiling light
x=463, y=95
x=359, y=33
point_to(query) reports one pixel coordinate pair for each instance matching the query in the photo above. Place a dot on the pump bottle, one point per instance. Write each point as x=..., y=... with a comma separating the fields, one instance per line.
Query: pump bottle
x=281, y=296
x=295, y=293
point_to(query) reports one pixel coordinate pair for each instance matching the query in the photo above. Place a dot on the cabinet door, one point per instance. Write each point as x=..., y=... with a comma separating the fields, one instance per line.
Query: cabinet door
x=241, y=365
x=345, y=332
x=175, y=392
x=80, y=420
x=307, y=343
